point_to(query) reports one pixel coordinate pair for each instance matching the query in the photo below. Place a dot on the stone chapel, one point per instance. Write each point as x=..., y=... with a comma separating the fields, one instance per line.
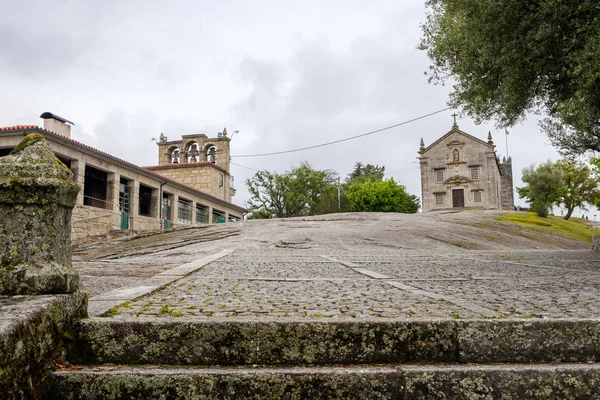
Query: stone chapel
x=460, y=171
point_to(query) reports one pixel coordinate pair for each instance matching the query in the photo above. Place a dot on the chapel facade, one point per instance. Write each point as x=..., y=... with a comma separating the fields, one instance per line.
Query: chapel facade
x=460, y=171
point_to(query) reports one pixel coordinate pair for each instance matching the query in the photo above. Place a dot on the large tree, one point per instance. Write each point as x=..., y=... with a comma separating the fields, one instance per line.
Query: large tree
x=363, y=173
x=595, y=163
x=291, y=194
x=381, y=196
x=509, y=57
x=542, y=188
x=579, y=187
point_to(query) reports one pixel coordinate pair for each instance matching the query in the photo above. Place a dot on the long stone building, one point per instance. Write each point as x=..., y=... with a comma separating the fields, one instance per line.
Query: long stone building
x=461, y=171
x=190, y=185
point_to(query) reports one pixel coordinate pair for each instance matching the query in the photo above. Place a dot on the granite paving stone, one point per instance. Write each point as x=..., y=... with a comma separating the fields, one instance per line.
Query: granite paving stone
x=333, y=283
x=213, y=297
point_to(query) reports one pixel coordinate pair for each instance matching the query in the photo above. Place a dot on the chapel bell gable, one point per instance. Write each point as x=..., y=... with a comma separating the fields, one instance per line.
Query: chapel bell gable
x=195, y=148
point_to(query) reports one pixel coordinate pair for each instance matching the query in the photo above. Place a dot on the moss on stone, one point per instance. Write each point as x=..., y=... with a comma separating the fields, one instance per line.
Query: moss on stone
x=35, y=337
x=28, y=141
x=37, y=195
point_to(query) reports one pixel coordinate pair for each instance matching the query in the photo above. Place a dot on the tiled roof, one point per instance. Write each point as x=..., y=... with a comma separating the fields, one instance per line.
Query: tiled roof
x=184, y=165
x=35, y=127
x=17, y=128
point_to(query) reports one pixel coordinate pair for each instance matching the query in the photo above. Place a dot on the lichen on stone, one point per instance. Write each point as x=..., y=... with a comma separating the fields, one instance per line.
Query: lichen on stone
x=37, y=195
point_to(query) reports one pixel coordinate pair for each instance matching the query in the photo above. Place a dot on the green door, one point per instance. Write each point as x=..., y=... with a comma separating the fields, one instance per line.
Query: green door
x=124, y=203
x=124, y=220
x=166, y=210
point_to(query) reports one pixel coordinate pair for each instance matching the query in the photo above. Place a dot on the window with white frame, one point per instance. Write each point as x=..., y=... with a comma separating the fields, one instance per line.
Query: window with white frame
x=475, y=173
x=477, y=197
x=439, y=175
x=439, y=199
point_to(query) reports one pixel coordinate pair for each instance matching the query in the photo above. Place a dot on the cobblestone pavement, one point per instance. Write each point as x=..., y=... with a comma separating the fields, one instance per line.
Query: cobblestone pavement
x=355, y=265
x=325, y=283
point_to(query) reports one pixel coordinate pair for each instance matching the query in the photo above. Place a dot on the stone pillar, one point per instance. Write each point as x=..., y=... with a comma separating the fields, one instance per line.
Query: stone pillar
x=134, y=202
x=78, y=168
x=112, y=192
x=175, y=210
x=155, y=204
x=596, y=243
x=209, y=210
x=37, y=195
x=194, y=212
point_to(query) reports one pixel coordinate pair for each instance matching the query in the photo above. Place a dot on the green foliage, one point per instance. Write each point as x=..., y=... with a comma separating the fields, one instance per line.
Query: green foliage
x=260, y=214
x=543, y=186
x=164, y=310
x=381, y=196
x=363, y=173
x=510, y=57
x=579, y=187
x=291, y=194
x=328, y=202
x=595, y=163
x=564, y=183
x=306, y=191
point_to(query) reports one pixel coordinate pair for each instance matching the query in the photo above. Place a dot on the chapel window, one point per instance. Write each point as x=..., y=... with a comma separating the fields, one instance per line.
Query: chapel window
x=477, y=197
x=439, y=199
x=439, y=175
x=475, y=173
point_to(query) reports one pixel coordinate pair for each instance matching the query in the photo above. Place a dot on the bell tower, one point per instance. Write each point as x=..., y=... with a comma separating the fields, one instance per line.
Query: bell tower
x=198, y=161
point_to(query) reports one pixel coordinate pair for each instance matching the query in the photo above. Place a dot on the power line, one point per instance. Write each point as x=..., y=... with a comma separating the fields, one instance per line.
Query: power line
x=401, y=170
x=253, y=169
x=346, y=139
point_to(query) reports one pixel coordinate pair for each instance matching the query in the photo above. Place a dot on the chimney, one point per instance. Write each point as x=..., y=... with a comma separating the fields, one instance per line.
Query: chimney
x=56, y=124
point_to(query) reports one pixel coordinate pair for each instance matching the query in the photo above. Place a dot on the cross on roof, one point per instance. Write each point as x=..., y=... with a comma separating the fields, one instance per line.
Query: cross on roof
x=454, y=115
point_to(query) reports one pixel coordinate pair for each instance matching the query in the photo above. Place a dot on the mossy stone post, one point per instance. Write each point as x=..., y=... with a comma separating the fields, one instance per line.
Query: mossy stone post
x=596, y=243
x=37, y=195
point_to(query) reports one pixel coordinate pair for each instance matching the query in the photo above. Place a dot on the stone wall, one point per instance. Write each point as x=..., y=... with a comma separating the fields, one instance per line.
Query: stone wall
x=202, y=177
x=140, y=223
x=506, y=191
x=92, y=221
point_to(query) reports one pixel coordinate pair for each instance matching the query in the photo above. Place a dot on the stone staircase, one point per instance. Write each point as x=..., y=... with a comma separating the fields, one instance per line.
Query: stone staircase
x=181, y=358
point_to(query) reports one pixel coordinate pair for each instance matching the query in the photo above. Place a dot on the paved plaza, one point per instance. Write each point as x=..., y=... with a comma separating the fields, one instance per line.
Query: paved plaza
x=333, y=269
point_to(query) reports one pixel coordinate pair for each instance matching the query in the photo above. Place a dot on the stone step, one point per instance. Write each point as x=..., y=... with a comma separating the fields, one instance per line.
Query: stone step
x=513, y=381
x=185, y=341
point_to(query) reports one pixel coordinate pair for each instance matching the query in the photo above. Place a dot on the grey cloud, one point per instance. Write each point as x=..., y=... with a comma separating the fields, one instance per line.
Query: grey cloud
x=41, y=40
x=37, y=54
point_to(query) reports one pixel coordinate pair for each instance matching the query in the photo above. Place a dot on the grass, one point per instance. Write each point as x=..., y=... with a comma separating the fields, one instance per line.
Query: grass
x=165, y=310
x=574, y=227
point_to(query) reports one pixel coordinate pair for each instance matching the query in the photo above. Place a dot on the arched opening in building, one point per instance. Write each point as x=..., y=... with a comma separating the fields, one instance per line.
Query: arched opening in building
x=211, y=154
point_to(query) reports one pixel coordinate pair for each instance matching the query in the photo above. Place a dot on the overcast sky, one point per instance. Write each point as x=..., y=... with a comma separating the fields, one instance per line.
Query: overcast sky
x=285, y=74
